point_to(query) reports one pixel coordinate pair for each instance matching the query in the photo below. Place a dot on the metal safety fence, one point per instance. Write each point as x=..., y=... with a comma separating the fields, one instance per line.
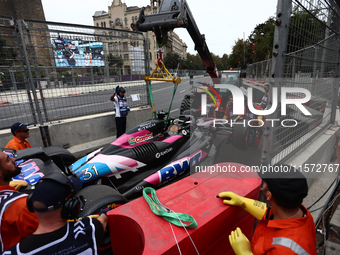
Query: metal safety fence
x=260, y=70
x=305, y=58
x=51, y=71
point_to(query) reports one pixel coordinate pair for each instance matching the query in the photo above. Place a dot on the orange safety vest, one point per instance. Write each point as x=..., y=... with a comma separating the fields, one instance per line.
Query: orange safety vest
x=285, y=236
x=17, y=144
x=17, y=222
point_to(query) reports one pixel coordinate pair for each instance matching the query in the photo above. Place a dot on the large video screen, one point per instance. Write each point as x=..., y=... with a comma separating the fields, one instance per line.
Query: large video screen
x=78, y=53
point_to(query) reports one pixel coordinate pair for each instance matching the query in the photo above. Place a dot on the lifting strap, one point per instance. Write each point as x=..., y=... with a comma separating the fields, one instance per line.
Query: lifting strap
x=157, y=208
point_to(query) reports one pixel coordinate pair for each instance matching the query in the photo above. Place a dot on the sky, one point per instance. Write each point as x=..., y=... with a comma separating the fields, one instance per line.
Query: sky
x=221, y=21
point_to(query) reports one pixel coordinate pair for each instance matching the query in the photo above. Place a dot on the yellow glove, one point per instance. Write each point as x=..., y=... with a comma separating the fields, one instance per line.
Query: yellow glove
x=17, y=184
x=240, y=243
x=225, y=117
x=254, y=207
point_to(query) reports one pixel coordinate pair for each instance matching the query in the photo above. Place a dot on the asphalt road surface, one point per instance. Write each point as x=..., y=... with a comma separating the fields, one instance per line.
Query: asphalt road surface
x=57, y=108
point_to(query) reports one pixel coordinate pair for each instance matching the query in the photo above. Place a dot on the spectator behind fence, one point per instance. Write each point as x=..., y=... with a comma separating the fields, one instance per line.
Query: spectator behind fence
x=54, y=201
x=20, y=133
x=17, y=222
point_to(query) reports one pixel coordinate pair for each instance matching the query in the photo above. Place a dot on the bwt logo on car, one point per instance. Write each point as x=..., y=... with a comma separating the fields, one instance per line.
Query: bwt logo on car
x=159, y=154
x=140, y=139
x=179, y=166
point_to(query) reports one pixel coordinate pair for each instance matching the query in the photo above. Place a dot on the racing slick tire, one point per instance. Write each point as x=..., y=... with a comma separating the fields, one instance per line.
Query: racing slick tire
x=243, y=137
x=61, y=157
x=100, y=197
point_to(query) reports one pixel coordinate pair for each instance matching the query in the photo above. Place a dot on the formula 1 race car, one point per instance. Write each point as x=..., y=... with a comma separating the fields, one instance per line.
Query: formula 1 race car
x=151, y=154
x=147, y=155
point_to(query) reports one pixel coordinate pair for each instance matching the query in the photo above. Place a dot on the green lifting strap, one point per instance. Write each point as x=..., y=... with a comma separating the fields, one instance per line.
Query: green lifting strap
x=157, y=208
x=164, y=38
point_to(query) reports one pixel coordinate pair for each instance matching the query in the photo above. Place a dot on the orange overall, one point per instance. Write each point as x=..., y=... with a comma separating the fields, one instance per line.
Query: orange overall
x=285, y=236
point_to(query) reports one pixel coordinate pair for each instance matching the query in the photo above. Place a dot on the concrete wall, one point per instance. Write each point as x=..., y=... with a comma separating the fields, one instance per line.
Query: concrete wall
x=83, y=134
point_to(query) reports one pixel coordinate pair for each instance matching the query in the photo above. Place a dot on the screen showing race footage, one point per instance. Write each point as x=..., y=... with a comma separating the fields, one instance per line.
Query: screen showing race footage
x=78, y=53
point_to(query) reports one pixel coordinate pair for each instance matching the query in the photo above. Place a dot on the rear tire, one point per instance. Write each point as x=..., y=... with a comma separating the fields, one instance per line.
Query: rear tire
x=61, y=157
x=243, y=137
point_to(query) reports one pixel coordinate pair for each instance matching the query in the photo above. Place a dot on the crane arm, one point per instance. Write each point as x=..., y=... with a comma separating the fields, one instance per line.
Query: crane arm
x=173, y=14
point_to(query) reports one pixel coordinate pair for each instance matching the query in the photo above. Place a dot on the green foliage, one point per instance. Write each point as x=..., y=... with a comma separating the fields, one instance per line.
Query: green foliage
x=241, y=54
x=113, y=72
x=225, y=61
x=171, y=60
x=7, y=54
x=263, y=37
x=305, y=30
x=193, y=62
x=115, y=61
x=67, y=74
x=98, y=71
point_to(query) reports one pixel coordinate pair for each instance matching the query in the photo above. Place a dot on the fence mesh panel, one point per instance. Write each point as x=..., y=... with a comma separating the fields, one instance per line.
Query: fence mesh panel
x=74, y=70
x=14, y=86
x=311, y=63
x=311, y=59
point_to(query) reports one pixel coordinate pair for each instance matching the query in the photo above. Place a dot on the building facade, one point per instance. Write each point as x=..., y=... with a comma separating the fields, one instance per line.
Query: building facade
x=119, y=16
x=17, y=9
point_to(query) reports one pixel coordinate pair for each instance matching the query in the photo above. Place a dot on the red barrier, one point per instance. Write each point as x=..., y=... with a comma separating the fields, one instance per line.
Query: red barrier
x=134, y=229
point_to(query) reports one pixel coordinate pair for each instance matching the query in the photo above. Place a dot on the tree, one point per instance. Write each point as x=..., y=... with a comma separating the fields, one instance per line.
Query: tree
x=224, y=61
x=299, y=37
x=240, y=54
x=196, y=63
x=171, y=60
x=218, y=61
x=7, y=54
x=262, y=37
x=115, y=61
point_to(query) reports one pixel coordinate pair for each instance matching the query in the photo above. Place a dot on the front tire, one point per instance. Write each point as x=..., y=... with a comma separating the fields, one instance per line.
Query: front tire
x=61, y=157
